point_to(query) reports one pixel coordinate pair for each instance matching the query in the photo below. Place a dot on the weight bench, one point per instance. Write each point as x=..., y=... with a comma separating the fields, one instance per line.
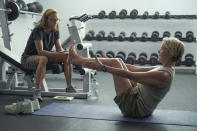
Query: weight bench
x=13, y=86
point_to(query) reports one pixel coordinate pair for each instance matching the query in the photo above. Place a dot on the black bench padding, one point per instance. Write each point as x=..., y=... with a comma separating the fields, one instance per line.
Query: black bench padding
x=55, y=68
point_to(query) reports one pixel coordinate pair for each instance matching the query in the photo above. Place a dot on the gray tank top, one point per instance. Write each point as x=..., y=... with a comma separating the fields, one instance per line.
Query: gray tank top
x=149, y=96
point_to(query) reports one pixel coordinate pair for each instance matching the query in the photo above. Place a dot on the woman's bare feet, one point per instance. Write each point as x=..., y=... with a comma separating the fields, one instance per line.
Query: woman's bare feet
x=74, y=58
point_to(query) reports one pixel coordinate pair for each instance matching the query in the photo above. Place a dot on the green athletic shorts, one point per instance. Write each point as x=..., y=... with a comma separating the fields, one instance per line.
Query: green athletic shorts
x=127, y=102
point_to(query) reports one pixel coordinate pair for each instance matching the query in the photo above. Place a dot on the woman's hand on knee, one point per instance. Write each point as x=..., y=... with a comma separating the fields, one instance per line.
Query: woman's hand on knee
x=63, y=54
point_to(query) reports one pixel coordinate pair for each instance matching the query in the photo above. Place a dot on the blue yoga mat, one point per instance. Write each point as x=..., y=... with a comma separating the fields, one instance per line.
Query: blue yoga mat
x=112, y=113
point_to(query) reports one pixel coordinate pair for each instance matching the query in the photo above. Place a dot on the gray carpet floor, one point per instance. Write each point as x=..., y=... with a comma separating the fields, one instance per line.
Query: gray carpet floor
x=182, y=96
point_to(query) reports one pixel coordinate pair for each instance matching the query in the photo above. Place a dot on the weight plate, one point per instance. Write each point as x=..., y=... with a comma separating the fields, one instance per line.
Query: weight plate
x=14, y=11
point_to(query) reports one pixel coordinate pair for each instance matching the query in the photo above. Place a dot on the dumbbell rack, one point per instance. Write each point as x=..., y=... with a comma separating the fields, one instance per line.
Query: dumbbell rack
x=149, y=17
x=134, y=15
x=136, y=39
x=178, y=17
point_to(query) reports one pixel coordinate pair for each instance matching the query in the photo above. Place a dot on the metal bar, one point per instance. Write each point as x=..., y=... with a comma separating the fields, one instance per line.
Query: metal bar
x=2, y=70
x=6, y=10
x=49, y=94
x=30, y=13
x=4, y=26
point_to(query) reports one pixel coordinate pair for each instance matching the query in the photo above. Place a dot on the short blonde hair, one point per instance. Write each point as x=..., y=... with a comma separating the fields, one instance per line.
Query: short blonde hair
x=174, y=46
x=44, y=20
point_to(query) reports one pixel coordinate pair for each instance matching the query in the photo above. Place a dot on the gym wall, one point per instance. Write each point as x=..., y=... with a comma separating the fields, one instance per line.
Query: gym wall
x=176, y=7
x=67, y=8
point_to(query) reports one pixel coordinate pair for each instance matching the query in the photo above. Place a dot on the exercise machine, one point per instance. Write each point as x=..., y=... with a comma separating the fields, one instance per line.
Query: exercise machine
x=10, y=76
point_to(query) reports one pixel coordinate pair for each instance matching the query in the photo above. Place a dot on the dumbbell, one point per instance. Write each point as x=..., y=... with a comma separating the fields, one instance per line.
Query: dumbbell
x=112, y=14
x=121, y=36
x=100, y=36
x=189, y=36
x=131, y=58
x=123, y=13
x=142, y=60
x=189, y=59
x=133, y=36
x=166, y=34
x=111, y=36
x=155, y=36
x=145, y=15
x=121, y=55
x=156, y=15
x=90, y=35
x=178, y=62
x=19, y=3
x=110, y=54
x=133, y=13
x=99, y=53
x=91, y=53
x=39, y=7
x=167, y=14
x=101, y=14
x=178, y=35
x=31, y=7
x=153, y=59
x=144, y=36
x=22, y=5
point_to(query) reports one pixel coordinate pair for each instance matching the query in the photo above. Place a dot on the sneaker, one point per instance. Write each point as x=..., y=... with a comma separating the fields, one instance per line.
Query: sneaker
x=12, y=109
x=35, y=103
x=27, y=107
x=20, y=107
x=37, y=95
x=71, y=88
